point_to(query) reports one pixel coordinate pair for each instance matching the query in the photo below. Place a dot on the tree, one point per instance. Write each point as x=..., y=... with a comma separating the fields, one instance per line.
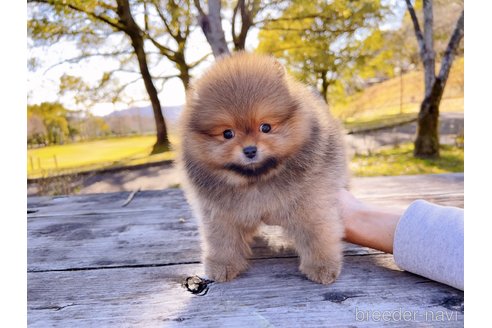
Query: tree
x=94, y=127
x=177, y=18
x=166, y=24
x=399, y=48
x=54, y=129
x=211, y=25
x=245, y=15
x=128, y=25
x=117, y=18
x=321, y=41
x=427, y=141
x=36, y=131
x=300, y=22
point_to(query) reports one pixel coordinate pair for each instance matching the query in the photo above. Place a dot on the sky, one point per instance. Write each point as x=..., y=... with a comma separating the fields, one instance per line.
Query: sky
x=42, y=84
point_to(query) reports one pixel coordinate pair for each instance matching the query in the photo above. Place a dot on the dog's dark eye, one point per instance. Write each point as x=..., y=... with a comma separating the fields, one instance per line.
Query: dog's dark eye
x=228, y=134
x=265, y=128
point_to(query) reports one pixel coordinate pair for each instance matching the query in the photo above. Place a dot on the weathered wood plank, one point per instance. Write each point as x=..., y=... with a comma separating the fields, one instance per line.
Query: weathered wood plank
x=112, y=240
x=92, y=262
x=399, y=189
x=408, y=184
x=273, y=293
x=157, y=227
x=105, y=203
x=399, y=192
x=157, y=237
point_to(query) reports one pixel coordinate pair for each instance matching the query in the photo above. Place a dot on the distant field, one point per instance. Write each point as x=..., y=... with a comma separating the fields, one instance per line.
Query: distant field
x=400, y=161
x=92, y=155
x=120, y=152
x=383, y=99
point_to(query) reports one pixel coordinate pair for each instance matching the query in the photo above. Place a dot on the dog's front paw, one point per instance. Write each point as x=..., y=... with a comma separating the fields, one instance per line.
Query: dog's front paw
x=323, y=274
x=221, y=272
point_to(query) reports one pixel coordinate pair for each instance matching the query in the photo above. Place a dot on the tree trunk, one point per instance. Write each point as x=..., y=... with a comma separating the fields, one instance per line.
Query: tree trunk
x=239, y=40
x=429, y=59
x=133, y=31
x=184, y=75
x=211, y=25
x=184, y=69
x=427, y=142
x=162, y=143
x=324, y=86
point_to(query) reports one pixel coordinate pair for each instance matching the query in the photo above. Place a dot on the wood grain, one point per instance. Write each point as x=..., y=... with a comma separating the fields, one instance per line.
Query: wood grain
x=94, y=263
x=273, y=293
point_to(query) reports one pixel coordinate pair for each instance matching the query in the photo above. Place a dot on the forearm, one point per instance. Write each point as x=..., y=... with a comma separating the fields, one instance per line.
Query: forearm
x=426, y=239
x=372, y=227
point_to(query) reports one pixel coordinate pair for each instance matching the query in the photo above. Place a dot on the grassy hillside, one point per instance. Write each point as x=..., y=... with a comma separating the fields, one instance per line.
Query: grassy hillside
x=92, y=155
x=383, y=99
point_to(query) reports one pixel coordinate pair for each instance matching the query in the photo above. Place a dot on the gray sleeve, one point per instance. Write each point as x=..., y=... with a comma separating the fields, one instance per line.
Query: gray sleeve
x=429, y=242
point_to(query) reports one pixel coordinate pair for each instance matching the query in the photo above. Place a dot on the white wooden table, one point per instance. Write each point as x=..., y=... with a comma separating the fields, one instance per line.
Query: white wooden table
x=94, y=263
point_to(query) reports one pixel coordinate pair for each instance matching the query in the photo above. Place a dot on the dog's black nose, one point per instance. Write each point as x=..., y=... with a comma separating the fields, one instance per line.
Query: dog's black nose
x=250, y=151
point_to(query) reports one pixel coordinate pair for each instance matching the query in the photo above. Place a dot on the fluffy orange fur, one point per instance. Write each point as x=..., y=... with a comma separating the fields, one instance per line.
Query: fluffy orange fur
x=291, y=181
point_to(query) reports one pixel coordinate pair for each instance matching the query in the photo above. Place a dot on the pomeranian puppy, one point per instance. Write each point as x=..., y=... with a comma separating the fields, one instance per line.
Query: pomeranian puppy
x=259, y=147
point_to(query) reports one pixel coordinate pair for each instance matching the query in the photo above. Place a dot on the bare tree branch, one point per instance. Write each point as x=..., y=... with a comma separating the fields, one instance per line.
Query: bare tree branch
x=211, y=25
x=167, y=77
x=169, y=53
x=196, y=63
x=166, y=24
x=164, y=79
x=280, y=19
x=291, y=48
x=199, y=7
x=116, y=94
x=126, y=71
x=289, y=29
x=233, y=22
x=450, y=52
x=103, y=18
x=146, y=16
x=86, y=56
x=189, y=26
x=416, y=26
x=429, y=59
x=246, y=23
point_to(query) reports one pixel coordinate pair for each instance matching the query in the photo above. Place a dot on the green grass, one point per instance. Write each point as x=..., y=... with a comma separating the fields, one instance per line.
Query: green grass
x=93, y=155
x=120, y=152
x=383, y=99
x=400, y=161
